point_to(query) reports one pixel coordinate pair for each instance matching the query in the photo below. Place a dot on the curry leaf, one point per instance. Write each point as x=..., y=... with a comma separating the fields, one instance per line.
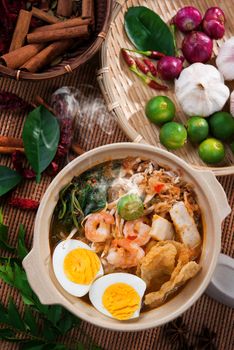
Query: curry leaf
x=147, y=31
x=30, y=322
x=21, y=247
x=8, y=179
x=4, y=236
x=14, y=318
x=6, y=333
x=40, y=137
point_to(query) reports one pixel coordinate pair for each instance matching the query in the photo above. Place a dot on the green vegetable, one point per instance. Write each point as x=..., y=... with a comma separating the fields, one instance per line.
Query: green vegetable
x=8, y=179
x=147, y=31
x=211, y=151
x=222, y=125
x=197, y=128
x=4, y=235
x=173, y=135
x=130, y=207
x=38, y=327
x=40, y=137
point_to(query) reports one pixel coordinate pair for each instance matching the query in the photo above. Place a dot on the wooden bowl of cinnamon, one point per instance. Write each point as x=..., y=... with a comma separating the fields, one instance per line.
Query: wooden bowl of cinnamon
x=54, y=38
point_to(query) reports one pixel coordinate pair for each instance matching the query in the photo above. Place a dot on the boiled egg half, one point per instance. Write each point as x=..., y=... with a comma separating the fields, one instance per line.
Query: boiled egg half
x=118, y=295
x=76, y=266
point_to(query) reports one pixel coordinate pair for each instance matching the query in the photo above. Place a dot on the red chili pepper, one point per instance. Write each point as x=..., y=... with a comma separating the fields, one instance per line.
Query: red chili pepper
x=131, y=238
x=23, y=203
x=159, y=187
x=151, y=66
x=128, y=59
x=142, y=66
x=17, y=159
x=66, y=134
x=156, y=86
x=152, y=54
x=148, y=79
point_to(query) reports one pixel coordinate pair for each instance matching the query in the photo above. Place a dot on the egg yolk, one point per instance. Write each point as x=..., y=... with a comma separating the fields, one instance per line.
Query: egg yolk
x=81, y=265
x=121, y=300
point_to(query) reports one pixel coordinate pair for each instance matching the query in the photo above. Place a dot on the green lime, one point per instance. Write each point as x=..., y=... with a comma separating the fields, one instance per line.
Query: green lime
x=198, y=129
x=160, y=109
x=222, y=125
x=211, y=151
x=173, y=135
x=130, y=207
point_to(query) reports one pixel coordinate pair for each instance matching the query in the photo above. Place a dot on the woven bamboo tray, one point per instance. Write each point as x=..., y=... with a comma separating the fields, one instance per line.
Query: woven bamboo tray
x=125, y=94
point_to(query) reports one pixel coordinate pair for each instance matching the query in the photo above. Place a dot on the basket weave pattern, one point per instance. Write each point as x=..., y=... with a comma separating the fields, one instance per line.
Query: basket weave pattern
x=126, y=95
x=83, y=54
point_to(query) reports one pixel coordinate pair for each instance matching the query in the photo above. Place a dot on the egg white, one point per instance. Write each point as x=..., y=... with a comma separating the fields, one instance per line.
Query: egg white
x=99, y=286
x=60, y=252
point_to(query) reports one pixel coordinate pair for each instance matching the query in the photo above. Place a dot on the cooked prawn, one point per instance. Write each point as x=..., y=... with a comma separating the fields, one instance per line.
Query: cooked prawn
x=97, y=226
x=124, y=253
x=137, y=231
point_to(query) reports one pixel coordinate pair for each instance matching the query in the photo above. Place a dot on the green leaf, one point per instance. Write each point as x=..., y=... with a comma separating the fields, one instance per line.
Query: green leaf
x=6, y=333
x=29, y=320
x=80, y=346
x=8, y=179
x=40, y=137
x=50, y=333
x=4, y=238
x=3, y=314
x=21, y=247
x=147, y=31
x=14, y=318
x=33, y=345
x=7, y=273
x=54, y=314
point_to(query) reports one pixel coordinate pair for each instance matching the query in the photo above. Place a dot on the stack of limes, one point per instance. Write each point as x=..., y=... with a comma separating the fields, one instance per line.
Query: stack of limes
x=161, y=110
x=208, y=133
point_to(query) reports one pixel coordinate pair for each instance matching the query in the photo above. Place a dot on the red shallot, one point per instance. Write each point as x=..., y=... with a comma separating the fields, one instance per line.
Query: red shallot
x=213, y=28
x=187, y=19
x=169, y=67
x=197, y=47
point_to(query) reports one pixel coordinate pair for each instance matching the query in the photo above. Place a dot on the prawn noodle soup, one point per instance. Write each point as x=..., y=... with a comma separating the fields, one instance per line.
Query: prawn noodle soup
x=140, y=218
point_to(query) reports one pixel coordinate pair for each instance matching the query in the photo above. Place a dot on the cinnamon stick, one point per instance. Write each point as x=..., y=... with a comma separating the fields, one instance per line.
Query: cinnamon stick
x=44, y=16
x=87, y=9
x=10, y=150
x=21, y=30
x=73, y=22
x=64, y=8
x=47, y=55
x=17, y=58
x=8, y=141
x=59, y=34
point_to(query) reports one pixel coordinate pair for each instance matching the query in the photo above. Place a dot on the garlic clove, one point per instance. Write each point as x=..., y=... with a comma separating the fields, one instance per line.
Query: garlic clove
x=225, y=59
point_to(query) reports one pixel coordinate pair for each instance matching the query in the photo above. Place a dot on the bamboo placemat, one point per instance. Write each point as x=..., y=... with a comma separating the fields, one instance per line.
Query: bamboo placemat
x=206, y=311
x=127, y=95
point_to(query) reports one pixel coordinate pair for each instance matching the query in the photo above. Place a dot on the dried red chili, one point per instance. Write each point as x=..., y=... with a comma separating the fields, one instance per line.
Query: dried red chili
x=24, y=203
x=66, y=134
x=17, y=160
x=10, y=101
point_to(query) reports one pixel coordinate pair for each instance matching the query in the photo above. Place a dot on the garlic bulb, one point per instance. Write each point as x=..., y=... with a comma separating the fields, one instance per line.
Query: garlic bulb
x=200, y=90
x=225, y=59
x=232, y=103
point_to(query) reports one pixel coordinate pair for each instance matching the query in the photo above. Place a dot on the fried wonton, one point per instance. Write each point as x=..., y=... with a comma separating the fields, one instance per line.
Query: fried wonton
x=188, y=271
x=165, y=268
x=158, y=264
